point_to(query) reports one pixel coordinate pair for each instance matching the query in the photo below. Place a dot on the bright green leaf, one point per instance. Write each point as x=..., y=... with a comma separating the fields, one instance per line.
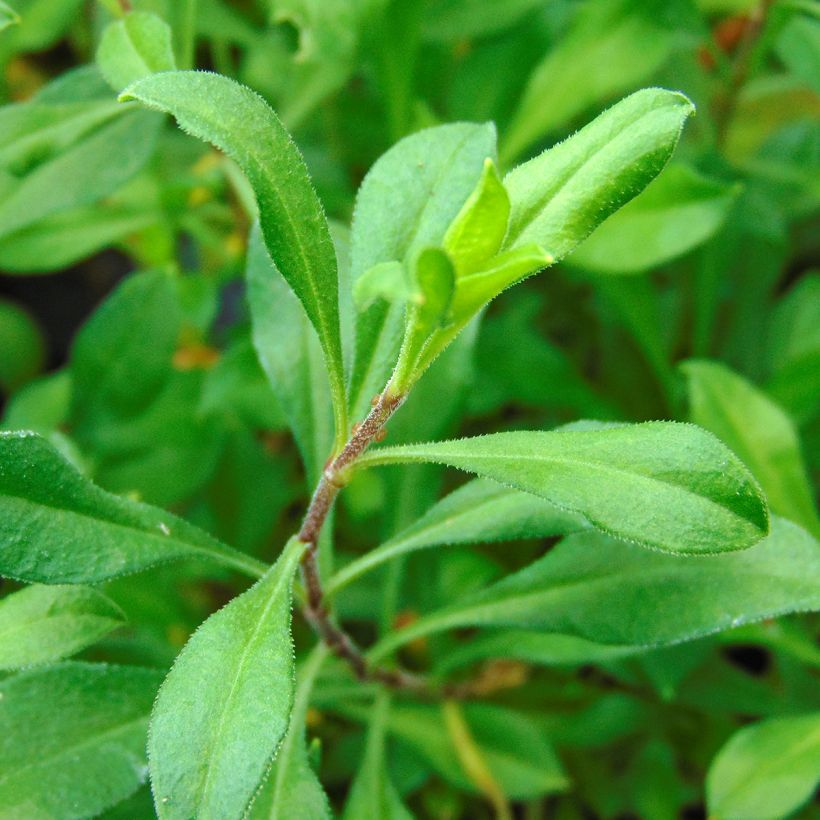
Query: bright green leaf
x=8, y=16
x=477, y=232
x=767, y=770
x=562, y=195
x=72, y=738
x=759, y=432
x=224, y=708
x=239, y=122
x=39, y=624
x=615, y=593
x=57, y=527
x=406, y=202
x=387, y=280
x=668, y=486
x=479, y=512
x=680, y=210
x=135, y=47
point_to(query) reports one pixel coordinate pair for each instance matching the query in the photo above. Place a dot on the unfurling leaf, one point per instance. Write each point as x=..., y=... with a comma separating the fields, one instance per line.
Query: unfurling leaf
x=135, y=47
x=476, y=234
x=225, y=706
x=672, y=487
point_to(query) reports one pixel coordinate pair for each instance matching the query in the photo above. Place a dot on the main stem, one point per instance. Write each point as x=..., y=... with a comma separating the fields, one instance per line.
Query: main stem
x=334, y=477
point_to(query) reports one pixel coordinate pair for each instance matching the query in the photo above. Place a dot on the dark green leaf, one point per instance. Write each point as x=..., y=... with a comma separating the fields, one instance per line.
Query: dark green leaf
x=668, y=486
x=224, y=708
x=39, y=624
x=58, y=527
x=72, y=738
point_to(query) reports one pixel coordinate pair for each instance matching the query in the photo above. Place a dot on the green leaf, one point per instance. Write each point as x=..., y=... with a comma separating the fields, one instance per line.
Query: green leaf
x=8, y=16
x=479, y=512
x=132, y=48
x=57, y=527
x=798, y=45
x=406, y=202
x=615, y=593
x=456, y=20
x=514, y=749
x=121, y=357
x=290, y=355
x=477, y=232
x=667, y=486
x=72, y=738
x=23, y=346
x=39, y=624
x=759, y=432
x=224, y=708
x=239, y=122
x=766, y=770
x=591, y=63
x=291, y=788
x=372, y=794
x=677, y=212
x=90, y=169
x=563, y=194
x=387, y=280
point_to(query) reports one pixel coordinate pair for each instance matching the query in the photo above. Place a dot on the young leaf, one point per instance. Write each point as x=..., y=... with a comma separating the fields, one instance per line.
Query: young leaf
x=677, y=212
x=759, y=432
x=72, y=738
x=615, y=593
x=135, y=47
x=477, y=232
x=57, y=527
x=479, y=512
x=239, y=122
x=39, y=624
x=562, y=195
x=225, y=706
x=372, y=794
x=766, y=770
x=290, y=355
x=291, y=788
x=406, y=202
x=667, y=486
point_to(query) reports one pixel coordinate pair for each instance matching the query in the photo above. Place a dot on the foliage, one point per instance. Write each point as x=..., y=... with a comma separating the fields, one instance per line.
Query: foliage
x=496, y=233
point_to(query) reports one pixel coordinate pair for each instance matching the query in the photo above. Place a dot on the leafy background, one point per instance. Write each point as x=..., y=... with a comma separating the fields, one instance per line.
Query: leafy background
x=699, y=301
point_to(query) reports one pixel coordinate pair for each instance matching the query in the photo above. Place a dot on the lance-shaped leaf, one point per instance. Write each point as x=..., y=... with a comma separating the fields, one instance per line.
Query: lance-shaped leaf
x=667, y=486
x=612, y=592
x=479, y=512
x=562, y=195
x=767, y=770
x=225, y=706
x=759, y=431
x=291, y=787
x=39, y=624
x=57, y=527
x=135, y=47
x=240, y=122
x=372, y=794
x=72, y=738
